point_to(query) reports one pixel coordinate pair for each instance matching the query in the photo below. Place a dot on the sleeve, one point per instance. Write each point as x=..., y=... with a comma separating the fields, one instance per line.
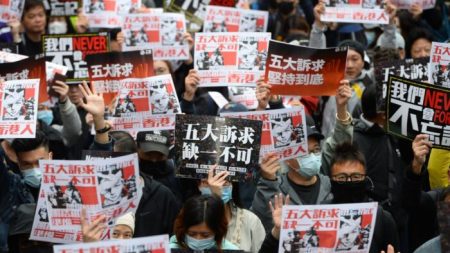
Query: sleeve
x=102, y=147
x=258, y=234
x=265, y=190
x=71, y=123
x=187, y=107
x=411, y=189
x=343, y=132
x=390, y=231
x=317, y=37
x=170, y=209
x=269, y=245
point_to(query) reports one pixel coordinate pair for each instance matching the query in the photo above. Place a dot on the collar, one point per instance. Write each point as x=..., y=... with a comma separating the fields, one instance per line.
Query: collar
x=366, y=122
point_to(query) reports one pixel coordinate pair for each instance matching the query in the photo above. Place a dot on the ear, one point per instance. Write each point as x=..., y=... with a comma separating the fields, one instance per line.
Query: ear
x=50, y=155
x=9, y=152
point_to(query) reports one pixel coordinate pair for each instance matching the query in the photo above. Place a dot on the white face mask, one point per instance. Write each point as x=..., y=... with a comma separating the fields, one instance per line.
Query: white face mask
x=57, y=27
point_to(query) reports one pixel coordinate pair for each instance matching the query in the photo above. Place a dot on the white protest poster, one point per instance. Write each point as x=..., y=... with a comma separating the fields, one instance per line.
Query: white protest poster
x=11, y=10
x=439, y=67
x=354, y=11
x=226, y=19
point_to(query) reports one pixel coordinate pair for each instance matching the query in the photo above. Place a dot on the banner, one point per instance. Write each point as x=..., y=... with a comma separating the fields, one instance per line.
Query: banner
x=303, y=71
x=194, y=10
x=203, y=141
x=354, y=11
x=407, y=4
x=70, y=50
x=146, y=104
x=153, y=244
x=417, y=108
x=230, y=59
x=64, y=7
x=226, y=19
x=18, y=103
x=283, y=131
x=439, y=70
x=412, y=69
x=108, y=187
x=327, y=228
x=107, y=69
x=11, y=10
x=161, y=32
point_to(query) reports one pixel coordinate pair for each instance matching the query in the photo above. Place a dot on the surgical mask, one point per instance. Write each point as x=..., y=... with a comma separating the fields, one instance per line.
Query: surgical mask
x=348, y=192
x=32, y=177
x=227, y=193
x=57, y=27
x=46, y=116
x=200, y=244
x=286, y=7
x=309, y=165
x=206, y=191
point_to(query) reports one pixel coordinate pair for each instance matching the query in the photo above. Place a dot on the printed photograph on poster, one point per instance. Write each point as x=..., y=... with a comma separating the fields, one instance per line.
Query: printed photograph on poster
x=18, y=108
x=407, y=4
x=298, y=70
x=412, y=69
x=194, y=10
x=230, y=59
x=203, y=141
x=243, y=95
x=439, y=69
x=161, y=32
x=153, y=244
x=226, y=19
x=418, y=108
x=11, y=10
x=283, y=130
x=328, y=228
x=70, y=50
x=355, y=11
x=59, y=8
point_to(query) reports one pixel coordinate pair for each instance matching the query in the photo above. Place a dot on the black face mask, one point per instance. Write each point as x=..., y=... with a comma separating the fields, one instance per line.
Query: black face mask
x=286, y=8
x=348, y=192
x=152, y=168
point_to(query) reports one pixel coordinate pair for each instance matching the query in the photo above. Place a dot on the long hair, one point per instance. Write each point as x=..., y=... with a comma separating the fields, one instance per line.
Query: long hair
x=199, y=209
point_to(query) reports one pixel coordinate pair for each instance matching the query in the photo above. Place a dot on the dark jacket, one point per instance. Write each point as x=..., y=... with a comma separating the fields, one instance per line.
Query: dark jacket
x=385, y=233
x=157, y=210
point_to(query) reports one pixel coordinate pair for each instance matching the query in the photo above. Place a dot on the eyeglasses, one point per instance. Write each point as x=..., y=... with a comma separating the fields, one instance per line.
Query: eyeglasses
x=354, y=177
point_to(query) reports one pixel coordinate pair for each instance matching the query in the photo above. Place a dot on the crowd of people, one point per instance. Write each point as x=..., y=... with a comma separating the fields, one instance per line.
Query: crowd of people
x=351, y=157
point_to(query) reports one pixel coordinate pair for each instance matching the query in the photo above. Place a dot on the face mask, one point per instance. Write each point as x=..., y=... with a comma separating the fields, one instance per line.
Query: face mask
x=348, y=192
x=286, y=8
x=310, y=165
x=32, y=177
x=57, y=27
x=227, y=193
x=205, y=191
x=46, y=116
x=152, y=168
x=196, y=244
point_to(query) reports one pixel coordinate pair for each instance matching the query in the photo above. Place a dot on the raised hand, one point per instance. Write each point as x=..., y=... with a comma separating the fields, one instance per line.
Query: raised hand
x=276, y=209
x=92, y=232
x=217, y=181
x=270, y=164
x=62, y=89
x=262, y=94
x=94, y=104
x=421, y=148
x=191, y=83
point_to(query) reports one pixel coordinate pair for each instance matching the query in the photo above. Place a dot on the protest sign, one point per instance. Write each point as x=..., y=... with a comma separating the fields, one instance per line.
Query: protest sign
x=327, y=228
x=18, y=103
x=100, y=154
x=9, y=47
x=202, y=141
x=107, y=13
x=194, y=10
x=108, y=187
x=354, y=11
x=60, y=8
x=243, y=95
x=161, y=32
x=412, y=69
x=107, y=69
x=230, y=59
x=41, y=230
x=11, y=10
x=153, y=244
x=439, y=68
x=407, y=4
x=297, y=70
x=70, y=50
x=146, y=104
x=226, y=19
x=418, y=108
x=283, y=130
x=6, y=57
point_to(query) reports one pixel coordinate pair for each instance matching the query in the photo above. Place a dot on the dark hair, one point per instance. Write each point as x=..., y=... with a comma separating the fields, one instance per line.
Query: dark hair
x=123, y=142
x=25, y=145
x=31, y=4
x=347, y=152
x=369, y=102
x=414, y=35
x=445, y=193
x=382, y=54
x=199, y=209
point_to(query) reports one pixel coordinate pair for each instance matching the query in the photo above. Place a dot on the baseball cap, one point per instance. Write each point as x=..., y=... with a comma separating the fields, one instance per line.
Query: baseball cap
x=153, y=141
x=312, y=131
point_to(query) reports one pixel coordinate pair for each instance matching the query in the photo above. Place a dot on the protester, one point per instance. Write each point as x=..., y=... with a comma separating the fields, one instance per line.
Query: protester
x=34, y=22
x=201, y=225
x=123, y=227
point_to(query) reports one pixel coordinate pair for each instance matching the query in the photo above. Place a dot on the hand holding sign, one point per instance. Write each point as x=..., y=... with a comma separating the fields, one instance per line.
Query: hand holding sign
x=421, y=147
x=92, y=232
x=216, y=181
x=343, y=95
x=269, y=166
x=262, y=94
